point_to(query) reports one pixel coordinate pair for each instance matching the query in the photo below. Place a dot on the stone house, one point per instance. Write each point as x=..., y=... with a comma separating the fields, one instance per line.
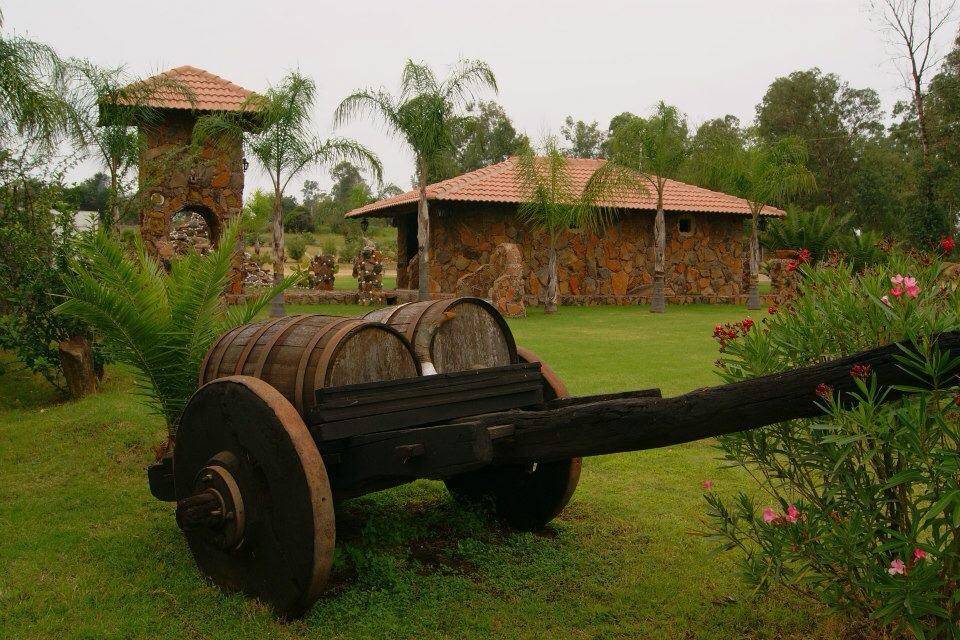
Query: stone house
x=706, y=252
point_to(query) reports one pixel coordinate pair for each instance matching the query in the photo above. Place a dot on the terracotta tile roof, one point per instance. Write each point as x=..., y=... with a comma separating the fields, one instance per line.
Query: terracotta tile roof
x=187, y=87
x=498, y=183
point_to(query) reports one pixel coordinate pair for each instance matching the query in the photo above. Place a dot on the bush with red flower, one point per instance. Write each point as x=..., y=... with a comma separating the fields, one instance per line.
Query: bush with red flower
x=860, y=507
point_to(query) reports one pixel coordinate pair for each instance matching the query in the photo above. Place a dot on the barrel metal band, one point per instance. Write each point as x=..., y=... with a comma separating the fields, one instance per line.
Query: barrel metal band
x=252, y=342
x=305, y=359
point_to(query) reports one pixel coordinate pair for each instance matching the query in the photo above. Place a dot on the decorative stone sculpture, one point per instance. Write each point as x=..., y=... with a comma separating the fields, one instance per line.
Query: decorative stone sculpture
x=368, y=270
x=323, y=270
x=500, y=280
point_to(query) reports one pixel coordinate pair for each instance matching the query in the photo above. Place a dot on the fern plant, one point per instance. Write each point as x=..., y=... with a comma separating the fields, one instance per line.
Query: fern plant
x=159, y=323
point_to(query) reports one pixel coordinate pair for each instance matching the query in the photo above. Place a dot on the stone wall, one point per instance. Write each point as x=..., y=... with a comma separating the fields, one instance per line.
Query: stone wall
x=704, y=263
x=210, y=184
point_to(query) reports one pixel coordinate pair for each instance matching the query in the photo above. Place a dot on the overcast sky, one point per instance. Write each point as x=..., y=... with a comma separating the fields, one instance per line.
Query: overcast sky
x=588, y=58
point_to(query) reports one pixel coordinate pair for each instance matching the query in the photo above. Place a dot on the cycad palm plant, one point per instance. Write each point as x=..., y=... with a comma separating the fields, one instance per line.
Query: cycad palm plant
x=424, y=114
x=158, y=323
x=819, y=231
x=553, y=205
x=277, y=132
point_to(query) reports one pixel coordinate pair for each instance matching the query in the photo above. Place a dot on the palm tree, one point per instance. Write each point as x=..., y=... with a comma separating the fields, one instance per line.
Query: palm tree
x=158, y=323
x=761, y=173
x=552, y=204
x=646, y=152
x=32, y=89
x=424, y=114
x=110, y=105
x=276, y=129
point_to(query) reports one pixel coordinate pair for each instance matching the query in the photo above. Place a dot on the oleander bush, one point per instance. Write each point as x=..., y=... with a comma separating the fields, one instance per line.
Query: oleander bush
x=860, y=507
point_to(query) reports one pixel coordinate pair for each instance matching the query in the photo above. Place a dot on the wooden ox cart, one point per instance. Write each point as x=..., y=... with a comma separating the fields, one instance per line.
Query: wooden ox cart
x=295, y=413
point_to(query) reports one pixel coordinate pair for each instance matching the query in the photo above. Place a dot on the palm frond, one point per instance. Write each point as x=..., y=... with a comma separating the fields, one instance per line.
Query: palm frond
x=467, y=77
x=417, y=79
x=160, y=324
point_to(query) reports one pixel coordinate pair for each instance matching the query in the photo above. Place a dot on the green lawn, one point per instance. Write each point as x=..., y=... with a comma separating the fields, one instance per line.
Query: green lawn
x=85, y=552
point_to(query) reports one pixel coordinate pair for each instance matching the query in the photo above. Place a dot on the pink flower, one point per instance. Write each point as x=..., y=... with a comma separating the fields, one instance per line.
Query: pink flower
x=824, y=390
x=746, y=324
x=947, y=244
x=792, y=513
x=897, y=567
x=919, y=554
x=885, y=300
x=911, y=286
x=896, y=280
x=897, y=291
x=707, y=484
x=769, y=515
x=792, y=265
x=803, y=256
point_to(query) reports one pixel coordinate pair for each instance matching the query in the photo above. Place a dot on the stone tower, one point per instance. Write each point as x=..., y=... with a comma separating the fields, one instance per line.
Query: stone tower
x=208, y=181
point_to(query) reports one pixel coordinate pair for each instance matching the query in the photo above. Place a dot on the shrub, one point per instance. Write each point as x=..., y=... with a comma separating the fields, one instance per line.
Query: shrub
x=351, y=247
x=296, y=246
x=329, y=247
x=158, y=323
x=35, y=244
x=863, y=250
x=862, y=505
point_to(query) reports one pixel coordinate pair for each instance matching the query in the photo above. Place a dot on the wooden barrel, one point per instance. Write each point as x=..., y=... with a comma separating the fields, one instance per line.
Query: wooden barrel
x=455, y=334
x=299, y=354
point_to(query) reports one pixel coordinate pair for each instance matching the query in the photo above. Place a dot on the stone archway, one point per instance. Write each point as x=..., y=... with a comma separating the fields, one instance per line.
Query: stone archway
x=193, y=229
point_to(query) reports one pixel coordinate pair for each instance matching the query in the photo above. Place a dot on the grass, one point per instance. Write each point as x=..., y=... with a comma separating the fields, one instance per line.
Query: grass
x=86, y=552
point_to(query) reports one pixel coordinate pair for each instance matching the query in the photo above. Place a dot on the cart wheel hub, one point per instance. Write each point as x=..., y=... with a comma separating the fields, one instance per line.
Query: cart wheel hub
x=216, y=505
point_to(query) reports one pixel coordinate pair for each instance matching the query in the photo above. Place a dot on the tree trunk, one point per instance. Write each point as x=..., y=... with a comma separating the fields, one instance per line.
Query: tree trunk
x=658, y=303
x=753, y=297
x=918, y=105
x=551, y=301
x=76, y=363
x=114, y=202
x=423, y=237
x=276, y=304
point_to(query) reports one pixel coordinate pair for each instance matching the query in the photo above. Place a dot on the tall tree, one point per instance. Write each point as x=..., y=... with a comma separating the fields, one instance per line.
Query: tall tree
x=912, y=27
x=646, y=152
x=553, y=205
x=583, y=140
x=944, y=112
x=833, y=119
x=281, y=140
x=424, y=114
x=485, y=136
x=762, y=173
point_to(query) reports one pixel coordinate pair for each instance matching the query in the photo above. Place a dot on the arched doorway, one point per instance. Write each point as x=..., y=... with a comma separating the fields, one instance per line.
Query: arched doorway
x=194, y=229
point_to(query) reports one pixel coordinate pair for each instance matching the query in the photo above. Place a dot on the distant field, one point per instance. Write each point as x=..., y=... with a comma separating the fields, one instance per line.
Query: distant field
x=87, y=553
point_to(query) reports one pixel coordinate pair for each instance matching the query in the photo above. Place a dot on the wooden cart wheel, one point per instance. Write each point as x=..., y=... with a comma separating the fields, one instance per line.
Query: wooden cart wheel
x=253, y=498
x=526, y=497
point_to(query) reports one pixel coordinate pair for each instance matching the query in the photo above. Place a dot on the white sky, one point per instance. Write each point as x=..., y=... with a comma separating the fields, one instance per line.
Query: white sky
x=590, y=59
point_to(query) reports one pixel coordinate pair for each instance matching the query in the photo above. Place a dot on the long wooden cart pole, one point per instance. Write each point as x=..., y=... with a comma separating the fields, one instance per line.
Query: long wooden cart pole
x=600, y=425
